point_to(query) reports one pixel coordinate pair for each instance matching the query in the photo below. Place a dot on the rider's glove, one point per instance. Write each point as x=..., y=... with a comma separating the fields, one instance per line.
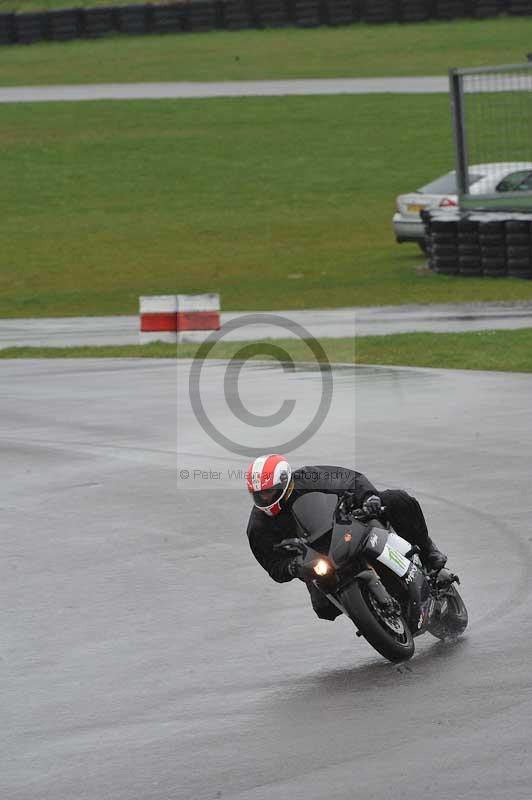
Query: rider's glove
x=295, y=568
x=372, y=505
x=349, y=501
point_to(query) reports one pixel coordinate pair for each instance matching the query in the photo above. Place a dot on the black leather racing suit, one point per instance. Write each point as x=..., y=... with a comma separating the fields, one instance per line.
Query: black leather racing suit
x=402, y=511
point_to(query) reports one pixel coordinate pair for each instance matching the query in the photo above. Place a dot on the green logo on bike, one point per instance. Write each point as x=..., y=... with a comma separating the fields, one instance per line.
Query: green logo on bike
x=396, y=557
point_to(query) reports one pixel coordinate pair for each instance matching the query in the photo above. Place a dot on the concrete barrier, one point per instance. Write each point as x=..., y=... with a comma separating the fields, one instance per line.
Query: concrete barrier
x=178, y=318
x=197, y=314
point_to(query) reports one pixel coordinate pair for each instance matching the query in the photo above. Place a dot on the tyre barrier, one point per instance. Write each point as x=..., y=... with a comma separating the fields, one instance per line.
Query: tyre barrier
x=64, y=25
x=30, y=28
x=205, y=15
x=178, y=318
x=7, y=29
x=487, y=244
x=132, y=19
x=97, y=22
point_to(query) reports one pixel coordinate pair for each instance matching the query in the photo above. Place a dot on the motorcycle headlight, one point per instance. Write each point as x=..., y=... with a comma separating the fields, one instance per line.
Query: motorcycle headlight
x=322, y=567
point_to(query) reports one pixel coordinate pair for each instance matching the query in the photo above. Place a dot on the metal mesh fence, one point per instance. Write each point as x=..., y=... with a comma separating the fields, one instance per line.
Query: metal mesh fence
x=493, y=126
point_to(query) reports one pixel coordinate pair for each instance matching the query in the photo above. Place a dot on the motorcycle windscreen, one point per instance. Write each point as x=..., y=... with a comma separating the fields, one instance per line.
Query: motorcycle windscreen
x=314, y=513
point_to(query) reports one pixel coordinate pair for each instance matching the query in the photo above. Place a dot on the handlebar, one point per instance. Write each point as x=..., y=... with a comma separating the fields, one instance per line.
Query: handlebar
x=298, y=546
x=355, y=513
x=359, y=513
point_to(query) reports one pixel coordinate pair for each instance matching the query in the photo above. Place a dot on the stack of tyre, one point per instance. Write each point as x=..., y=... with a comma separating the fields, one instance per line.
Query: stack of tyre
x=441, y=232
x=518, y=235
x=481, y=244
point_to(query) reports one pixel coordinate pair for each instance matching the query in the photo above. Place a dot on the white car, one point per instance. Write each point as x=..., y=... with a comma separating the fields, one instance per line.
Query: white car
x=508, y=176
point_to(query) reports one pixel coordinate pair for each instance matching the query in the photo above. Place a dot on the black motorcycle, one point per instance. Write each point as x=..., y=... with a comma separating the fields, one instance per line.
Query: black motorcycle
x=373, y=576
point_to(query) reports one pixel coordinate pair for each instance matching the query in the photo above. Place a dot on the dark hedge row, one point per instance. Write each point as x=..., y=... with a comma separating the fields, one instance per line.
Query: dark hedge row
x=205, y=15
x=490, y=244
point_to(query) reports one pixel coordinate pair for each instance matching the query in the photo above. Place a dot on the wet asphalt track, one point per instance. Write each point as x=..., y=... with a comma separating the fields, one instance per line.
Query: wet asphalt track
x=146, y=656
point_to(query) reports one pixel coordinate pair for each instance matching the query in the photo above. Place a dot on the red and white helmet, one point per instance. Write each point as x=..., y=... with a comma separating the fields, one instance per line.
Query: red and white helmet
x=268, y=480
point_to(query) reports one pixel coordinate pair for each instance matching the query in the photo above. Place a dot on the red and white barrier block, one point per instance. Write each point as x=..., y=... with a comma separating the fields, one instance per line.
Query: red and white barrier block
x=178, y=317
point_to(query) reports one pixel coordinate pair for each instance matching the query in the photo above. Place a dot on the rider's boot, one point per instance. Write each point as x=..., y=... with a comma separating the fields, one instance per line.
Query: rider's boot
x=431, y=557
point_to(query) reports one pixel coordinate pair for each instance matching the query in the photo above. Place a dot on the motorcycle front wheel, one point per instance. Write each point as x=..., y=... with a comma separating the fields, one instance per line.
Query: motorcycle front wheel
x=389, y=635
x=454, y=621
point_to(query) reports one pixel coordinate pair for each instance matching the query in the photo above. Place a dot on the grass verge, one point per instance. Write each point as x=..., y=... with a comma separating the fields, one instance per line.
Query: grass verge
x=273, y=202
x=506, y=351
x=352, y=51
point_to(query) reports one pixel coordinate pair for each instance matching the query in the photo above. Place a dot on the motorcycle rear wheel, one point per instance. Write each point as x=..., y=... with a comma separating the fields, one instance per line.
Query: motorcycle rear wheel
x=455, y=620
x=390, y=637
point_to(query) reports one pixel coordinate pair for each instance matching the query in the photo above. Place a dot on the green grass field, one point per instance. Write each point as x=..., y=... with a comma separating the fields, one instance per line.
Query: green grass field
x=352, y=51
x=507, y=351
x=274, y=202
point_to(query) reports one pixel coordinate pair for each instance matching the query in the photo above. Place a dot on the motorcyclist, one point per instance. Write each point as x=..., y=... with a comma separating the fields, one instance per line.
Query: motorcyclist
x=275, y=487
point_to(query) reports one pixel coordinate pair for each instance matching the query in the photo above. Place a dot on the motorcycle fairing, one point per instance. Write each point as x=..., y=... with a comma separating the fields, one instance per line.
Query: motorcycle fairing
x=313, y=513
x=346, y=540
x=390, y=549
